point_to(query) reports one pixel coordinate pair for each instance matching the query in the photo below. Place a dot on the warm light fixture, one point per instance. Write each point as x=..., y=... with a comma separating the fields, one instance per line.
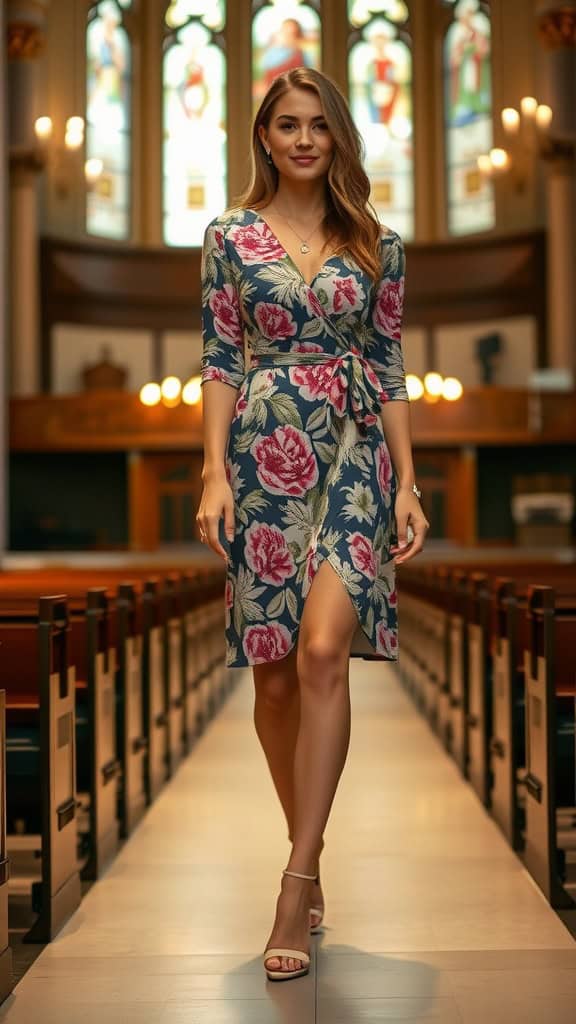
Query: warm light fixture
x=150, y=394
x=43, y=128
x=74, y=137
x=192, y=391
x=434, y=387
x=414, y=387
x=528, y=131
x=171, y=392
x=433, y=384
x=93, y=169
x=451, y=389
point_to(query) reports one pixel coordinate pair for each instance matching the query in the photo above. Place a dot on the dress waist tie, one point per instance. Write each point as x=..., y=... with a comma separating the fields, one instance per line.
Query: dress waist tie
x=353, y=388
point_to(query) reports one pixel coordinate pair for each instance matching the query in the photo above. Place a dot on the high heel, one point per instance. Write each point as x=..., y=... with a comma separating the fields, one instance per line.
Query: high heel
x=295, y=954
x=316, y=916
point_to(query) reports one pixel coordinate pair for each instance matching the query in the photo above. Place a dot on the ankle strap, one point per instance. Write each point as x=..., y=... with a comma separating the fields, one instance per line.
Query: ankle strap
x=296, y=874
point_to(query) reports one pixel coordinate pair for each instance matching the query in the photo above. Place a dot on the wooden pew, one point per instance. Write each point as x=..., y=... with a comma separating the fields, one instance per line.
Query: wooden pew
x=132, y=743
x=92, y=652
x=550, y=679
x=40, y=755
x=6, y=984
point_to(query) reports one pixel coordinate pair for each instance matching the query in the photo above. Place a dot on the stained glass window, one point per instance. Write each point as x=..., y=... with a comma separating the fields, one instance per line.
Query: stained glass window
x=108, y=120
x=194, y=157
x=285, y=35
x=380, y=83
x=468, y=116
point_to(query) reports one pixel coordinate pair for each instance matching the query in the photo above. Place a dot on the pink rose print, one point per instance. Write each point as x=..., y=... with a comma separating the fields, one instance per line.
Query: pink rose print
x=386, y=640
x=224, y=305
x=268, y=554
x=219, y=239
x=320, y=381
x=387, y=315
x=255, y=243
x=314, y=303
x=384, y=468
x=362, y=555
x=214, y=373
x=228, y=594
x=266, y=643
x=307, y=346
x=285, y=461
x=241, y=404
x=345, y=293
x=274, y=320
x=393, y=598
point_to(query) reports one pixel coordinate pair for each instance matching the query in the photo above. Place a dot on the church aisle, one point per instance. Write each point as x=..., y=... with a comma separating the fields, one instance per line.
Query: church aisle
x=430, y=916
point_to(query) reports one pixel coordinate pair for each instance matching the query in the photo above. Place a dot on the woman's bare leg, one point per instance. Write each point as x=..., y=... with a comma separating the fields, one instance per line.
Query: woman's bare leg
x=326, y=631
x=277, y=719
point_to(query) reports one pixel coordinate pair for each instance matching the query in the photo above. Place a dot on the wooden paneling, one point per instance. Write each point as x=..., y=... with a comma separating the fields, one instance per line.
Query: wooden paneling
x=460, y=281
x=116, y=421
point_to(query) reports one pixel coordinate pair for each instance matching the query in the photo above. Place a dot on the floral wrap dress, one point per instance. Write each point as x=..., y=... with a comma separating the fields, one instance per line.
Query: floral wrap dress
x=306, y=456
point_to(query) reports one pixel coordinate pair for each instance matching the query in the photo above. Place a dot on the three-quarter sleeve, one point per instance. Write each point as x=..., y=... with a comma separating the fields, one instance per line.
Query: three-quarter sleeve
x=383, y=347
x=222, y=333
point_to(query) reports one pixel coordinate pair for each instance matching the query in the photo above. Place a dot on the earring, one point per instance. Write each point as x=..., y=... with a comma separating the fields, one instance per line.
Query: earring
x=268, y=156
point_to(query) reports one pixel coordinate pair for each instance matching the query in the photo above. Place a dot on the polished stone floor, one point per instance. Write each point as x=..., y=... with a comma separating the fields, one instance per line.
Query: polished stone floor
x=430, y=916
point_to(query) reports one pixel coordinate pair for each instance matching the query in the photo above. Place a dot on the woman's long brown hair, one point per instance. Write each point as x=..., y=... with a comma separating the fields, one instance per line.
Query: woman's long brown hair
x=350, y=220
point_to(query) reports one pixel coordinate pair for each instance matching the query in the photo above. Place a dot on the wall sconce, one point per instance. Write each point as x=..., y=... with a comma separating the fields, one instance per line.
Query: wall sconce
x=528, y=132
x=433, y=387
x=61, y=154
x=171, y=392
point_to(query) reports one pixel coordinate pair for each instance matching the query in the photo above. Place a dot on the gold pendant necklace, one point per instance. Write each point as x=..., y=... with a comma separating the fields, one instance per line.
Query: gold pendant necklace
x=304, y=247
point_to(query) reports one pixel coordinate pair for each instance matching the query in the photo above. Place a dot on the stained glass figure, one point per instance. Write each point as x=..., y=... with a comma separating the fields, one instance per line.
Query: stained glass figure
x=468, y=117
x=194, y=157
x=285, y=35
x=380, y=79
x=108, y=120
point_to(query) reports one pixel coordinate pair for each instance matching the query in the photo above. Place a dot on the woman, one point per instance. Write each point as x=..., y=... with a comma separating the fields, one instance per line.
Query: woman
x=297, y=455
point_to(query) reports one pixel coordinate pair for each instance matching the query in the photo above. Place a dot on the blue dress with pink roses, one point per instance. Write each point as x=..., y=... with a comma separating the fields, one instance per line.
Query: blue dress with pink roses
x=306, y=458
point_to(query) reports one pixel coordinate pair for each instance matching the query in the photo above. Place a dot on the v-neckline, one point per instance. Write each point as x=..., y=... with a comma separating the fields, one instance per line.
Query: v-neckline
x=287, y=254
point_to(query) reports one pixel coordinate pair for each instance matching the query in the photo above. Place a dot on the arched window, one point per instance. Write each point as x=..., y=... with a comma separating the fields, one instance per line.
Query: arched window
x=380, y=85
x=108, y=120
x=285, y=35
x=468, y=116
x=194, y=156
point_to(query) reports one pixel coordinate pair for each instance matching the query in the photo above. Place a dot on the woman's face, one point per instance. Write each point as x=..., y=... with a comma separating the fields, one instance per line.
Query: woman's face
x=298, y=138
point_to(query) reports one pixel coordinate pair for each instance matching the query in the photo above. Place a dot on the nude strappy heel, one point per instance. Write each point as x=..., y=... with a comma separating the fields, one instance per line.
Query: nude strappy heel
x=295, y=954
x=316, y=912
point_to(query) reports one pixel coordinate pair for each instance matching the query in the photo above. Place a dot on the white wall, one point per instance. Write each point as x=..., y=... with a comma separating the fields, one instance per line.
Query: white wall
x=74, y=346
x=455, y=351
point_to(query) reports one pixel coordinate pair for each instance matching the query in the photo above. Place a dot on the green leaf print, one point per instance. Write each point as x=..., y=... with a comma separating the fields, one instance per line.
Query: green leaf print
x=252, y=611
x=292, y=604
x=285, y=410
x=316, y=420
x=370, y=620
x=256, y=413
x=275, y=607
x=244, y=440
x=324, y=451
x=312, y=329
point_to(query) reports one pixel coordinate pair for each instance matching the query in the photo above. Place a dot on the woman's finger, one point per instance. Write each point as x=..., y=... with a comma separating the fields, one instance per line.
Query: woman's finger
x=211, y=530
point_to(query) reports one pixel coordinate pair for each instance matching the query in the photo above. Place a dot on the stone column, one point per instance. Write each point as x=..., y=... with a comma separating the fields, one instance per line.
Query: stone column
x=557, y=32
x=25, y=34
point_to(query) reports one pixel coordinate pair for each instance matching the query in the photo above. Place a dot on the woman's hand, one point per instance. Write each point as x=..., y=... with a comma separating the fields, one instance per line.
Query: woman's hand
x=408, y=512
x=217, y=500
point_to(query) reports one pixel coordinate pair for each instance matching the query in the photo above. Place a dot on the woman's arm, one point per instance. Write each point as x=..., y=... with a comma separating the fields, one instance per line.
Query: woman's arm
x=385, y=354
x=222, y=374
x=395, y=418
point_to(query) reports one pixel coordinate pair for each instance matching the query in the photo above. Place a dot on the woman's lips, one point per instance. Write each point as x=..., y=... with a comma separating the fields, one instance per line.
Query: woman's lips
x=305, y=160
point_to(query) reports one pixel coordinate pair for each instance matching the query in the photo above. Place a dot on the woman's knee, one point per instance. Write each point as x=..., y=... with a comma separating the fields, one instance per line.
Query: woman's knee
x=321, y=661
x=276, y=690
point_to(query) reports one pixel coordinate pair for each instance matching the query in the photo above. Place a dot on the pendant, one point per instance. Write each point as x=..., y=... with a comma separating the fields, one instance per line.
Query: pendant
x=304, y=248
